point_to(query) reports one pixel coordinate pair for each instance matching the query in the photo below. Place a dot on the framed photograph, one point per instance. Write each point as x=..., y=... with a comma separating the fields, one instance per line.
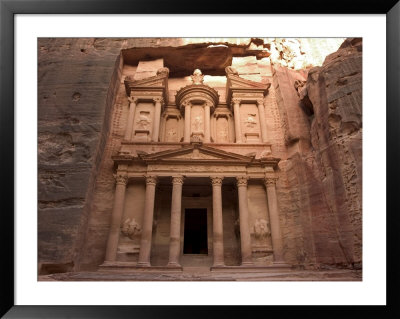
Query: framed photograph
x=156, y=158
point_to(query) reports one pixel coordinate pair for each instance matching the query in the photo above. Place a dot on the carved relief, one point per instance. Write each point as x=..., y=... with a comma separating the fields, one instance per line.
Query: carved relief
x=197, y=77
x=172, y=135
x=198, y=124
x=222, y=130
x=132, y=99
x=261, y=228
x=143, y=122
x=130, y=228
x=251, y=121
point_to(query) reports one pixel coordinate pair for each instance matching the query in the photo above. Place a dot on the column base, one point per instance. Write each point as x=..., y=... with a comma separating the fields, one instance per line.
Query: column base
x=247, y=263
x=174, y=265
x=143, y=264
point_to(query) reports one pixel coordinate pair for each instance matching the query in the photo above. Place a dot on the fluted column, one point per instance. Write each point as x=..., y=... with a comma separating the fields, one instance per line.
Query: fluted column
x=175, y=236
x=236, y=114
x=118, y=208
x=147, y=229
x=131, y=115
x=263, y=123
x=207, y=119
x=218, y=238
x=188, y=106
x=277, y=244
x=157, y=117
x=245, y=239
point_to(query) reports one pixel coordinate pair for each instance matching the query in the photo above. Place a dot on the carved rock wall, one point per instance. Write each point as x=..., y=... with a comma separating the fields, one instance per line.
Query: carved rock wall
x=320, y=188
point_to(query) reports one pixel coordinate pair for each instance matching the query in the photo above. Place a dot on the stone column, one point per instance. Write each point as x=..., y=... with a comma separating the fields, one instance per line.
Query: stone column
x=236, y=114
x=157, y=116
x=147, y=229
x=277, y=244
x=118, y=209
x=188, y=106
x=175, y=236
x=245, y=239
x=131, y=116
x=263, y=123
x=218, y=238
x=207, y=119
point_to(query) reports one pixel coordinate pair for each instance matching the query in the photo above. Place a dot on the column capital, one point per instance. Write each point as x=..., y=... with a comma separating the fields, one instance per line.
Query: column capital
x=151, y=179
x=241, y=180
x=260, y=102
x=270, y=180
x=132, y=99
x=177, y=180
x=121, y=179
x=187, y=103
x=216, y=180
x=236, y=100
x=158, y=99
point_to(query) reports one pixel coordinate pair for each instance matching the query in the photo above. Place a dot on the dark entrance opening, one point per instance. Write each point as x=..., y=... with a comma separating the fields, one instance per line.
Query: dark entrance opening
x=195, y=234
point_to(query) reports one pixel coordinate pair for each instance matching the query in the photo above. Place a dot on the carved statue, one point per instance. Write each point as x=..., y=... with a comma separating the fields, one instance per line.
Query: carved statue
x=229, y=70
x=198, y=124
x=197, y=77
x=130, y=228
x=261, y=229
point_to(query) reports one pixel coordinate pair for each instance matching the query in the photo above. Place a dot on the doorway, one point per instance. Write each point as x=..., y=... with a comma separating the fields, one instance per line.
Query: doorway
x=195, y=231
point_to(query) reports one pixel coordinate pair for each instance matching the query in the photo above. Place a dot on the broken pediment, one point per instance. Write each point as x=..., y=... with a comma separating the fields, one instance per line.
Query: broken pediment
x=239, y=85
x=155, y=83
x=196, y=153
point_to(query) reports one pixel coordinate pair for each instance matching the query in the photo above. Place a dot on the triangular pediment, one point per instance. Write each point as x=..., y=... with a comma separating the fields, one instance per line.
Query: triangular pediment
x=196, y=153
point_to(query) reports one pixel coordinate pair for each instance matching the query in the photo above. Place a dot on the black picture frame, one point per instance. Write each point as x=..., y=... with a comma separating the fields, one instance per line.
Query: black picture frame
x=8, y=10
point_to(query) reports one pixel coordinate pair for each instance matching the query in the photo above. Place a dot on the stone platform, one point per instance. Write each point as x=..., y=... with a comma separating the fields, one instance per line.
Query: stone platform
x=205, y=274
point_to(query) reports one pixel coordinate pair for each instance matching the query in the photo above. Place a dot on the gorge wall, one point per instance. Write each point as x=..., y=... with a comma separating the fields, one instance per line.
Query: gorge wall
x=313, y=113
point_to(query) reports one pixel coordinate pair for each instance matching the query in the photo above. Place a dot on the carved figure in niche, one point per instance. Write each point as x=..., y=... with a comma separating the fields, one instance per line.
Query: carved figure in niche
x=222, y=136
x=261, y=229
x=171, y=135
x=250, y=121
x=229, y=70
x=143, y=121
x=197, y=77
x=198, y=123
x=130, y=228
